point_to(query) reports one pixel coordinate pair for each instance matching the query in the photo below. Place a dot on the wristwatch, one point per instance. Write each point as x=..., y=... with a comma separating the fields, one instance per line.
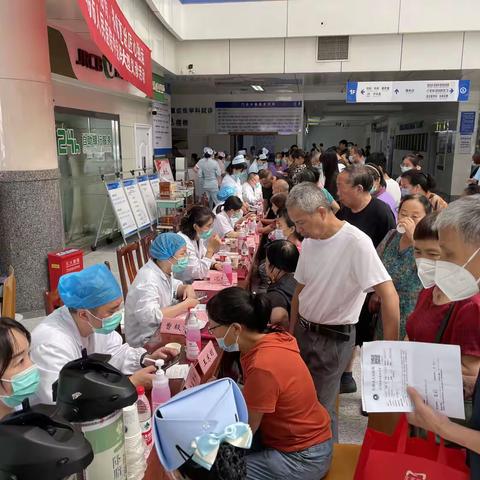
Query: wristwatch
x=142, y=358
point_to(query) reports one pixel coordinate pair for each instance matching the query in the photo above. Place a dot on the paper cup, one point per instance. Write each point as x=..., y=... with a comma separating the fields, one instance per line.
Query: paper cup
x=174, y=346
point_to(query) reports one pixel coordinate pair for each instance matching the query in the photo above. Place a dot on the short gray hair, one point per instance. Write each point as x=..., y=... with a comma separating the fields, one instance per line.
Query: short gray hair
x=462, y=215
x=307, y=197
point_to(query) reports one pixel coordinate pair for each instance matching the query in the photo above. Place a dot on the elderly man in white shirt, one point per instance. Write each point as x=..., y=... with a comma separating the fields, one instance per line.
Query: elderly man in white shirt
x=93, y=308
x=155, y=293
x=338, y=265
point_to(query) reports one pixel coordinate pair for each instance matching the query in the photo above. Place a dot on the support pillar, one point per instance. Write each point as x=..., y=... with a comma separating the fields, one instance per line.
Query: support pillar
x=30, y=202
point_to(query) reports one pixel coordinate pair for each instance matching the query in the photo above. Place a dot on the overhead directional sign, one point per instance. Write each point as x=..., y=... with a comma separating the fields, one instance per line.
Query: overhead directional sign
x=414, y=91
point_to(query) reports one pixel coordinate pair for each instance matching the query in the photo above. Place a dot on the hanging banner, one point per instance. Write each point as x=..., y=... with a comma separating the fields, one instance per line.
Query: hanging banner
x=284, y=118
x=118, y=41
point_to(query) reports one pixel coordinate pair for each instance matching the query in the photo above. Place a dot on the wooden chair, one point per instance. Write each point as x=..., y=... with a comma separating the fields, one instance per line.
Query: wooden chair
x=146, y=241
x=9, y=301
x=344, y=461
x=127, y=267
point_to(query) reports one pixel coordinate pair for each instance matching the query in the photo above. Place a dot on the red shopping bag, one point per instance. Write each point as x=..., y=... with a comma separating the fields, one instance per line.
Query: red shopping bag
x=400, y=457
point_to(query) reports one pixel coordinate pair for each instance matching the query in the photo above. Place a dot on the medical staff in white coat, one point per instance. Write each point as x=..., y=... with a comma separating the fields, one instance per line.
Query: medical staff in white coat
x=259, y=163
x=228, y=215
x=155, y=293
x=234, y=173
x=224, y=192
x=252, y=191
x=93, y=309
x=196, y=229
x=209, y=174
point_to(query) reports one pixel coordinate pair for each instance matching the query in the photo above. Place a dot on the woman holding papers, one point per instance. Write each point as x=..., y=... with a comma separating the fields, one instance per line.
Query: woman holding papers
x=279, y=391
x=196, y=229
x=456, y=273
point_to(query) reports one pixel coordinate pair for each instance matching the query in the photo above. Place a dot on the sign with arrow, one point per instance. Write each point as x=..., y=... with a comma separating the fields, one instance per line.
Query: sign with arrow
x=409, y=91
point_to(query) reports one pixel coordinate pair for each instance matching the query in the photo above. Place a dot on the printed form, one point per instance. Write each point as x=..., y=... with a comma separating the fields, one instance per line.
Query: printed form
x=434, y=370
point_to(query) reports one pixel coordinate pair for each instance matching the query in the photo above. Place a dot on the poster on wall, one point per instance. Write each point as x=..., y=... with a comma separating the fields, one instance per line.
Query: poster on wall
x=118, y=41
x=148, y=196
x=164, y=170
x=136, y=203
x=162, y=128
x=284, y=118
x=121, y=208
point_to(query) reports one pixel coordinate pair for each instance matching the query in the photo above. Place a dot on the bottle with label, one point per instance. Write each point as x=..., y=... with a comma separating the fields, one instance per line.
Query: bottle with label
x=161, y=388
x=145, y=419
x=193, y=337
x=228, y=272
x=244, y=250
x=253, y=227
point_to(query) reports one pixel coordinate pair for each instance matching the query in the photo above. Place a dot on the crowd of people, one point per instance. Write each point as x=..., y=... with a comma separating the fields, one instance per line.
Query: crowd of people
x=350, y=255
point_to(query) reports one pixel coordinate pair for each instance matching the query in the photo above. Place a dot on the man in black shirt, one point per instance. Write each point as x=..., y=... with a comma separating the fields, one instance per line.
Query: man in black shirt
x=374, y=218
x=370, y=215
x=266, y=180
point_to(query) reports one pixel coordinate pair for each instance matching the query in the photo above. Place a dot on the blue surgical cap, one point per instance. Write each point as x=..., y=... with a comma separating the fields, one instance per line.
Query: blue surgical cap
x=225, y=192
x=166, y=245
x=90, y=288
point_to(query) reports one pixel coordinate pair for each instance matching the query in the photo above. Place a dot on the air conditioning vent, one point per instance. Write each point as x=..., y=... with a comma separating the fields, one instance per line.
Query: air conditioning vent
x=332, y=48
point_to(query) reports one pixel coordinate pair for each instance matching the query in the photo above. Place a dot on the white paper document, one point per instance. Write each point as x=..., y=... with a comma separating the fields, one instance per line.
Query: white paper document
x=178, y=371
x=434, y=370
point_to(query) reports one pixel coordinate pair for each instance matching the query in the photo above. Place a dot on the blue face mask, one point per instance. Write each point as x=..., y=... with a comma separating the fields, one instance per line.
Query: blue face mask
x=234, y=347
x=372, y=191
x=206, y=235
x=109, y=324
x=181, y=265
x=24, y=385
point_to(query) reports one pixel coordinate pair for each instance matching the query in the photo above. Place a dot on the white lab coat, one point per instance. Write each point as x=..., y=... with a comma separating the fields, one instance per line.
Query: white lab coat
x=253, y=167
x=151, y=291
x=198, y=264
x=229, y=181
x=223, y=224
x=252, y=195
x=57, y=341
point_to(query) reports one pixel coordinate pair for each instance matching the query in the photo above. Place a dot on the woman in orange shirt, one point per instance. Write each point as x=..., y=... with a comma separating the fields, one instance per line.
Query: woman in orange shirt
x=278, y=388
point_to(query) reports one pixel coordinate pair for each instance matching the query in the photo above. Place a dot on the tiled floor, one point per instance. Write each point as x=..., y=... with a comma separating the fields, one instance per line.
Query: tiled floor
x=351, y=423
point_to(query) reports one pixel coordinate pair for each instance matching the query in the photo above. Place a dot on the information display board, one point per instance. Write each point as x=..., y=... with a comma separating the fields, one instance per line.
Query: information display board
x=164, y=170
x=121, y=208
x=136, y=203
x=155, y=184
x=284, y=118
x=148, y=196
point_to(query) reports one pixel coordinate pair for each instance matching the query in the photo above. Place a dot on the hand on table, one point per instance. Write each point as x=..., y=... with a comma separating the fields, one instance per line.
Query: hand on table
x=218, y=266
x=144, y=376
x=409, y=226
x=425, y=416
x=189, y=292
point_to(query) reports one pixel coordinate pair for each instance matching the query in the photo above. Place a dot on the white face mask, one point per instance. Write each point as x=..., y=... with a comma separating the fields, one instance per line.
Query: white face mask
x=426, y=271
x=455, y=281
x=404, y=168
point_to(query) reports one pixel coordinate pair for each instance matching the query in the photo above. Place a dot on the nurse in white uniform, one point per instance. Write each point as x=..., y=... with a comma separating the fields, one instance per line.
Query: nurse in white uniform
x=259, y=164
x=252, y=191
x=233, y=175
x=209, y=174
x=230, y=213
x=154, y=293
x=93, y=309
x=196, y=229
x=222, y=195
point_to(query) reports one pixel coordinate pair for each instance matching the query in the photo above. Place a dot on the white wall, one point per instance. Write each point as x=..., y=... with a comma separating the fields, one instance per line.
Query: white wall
x=330, y=135
x=131, y=110
x=312, y=18
x=201, y=126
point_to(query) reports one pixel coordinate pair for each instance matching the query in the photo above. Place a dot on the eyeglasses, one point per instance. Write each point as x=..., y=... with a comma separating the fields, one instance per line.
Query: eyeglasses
x=211, y=329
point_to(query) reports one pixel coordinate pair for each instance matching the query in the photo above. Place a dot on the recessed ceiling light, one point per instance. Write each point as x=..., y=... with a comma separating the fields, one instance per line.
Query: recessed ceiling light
x=257, y=88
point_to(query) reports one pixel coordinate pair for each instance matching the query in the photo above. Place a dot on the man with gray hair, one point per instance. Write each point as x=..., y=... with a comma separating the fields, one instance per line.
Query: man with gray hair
x=338, y=265
x=457, y=275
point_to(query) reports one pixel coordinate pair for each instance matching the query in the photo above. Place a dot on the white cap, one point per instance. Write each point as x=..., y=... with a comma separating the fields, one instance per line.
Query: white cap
x=221, y=154
x=238, y=159
x=262, y=156
x=208, y=150
x=242, y=152
x=265, y=151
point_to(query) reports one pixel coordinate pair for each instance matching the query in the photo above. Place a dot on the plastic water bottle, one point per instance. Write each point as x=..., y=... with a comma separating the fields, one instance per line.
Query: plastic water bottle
x=161, y=387
x=401, y=229
x=193, y=337
x=253, y=227
x=244, y=250
x=227, y=270
x=145, y=419
x=134, y=445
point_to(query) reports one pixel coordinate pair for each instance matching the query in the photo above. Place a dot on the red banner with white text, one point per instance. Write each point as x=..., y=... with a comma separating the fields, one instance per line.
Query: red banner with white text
x=117, y=40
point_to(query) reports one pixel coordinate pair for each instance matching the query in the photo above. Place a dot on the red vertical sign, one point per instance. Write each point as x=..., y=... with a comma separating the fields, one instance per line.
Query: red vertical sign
x=117, y=40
